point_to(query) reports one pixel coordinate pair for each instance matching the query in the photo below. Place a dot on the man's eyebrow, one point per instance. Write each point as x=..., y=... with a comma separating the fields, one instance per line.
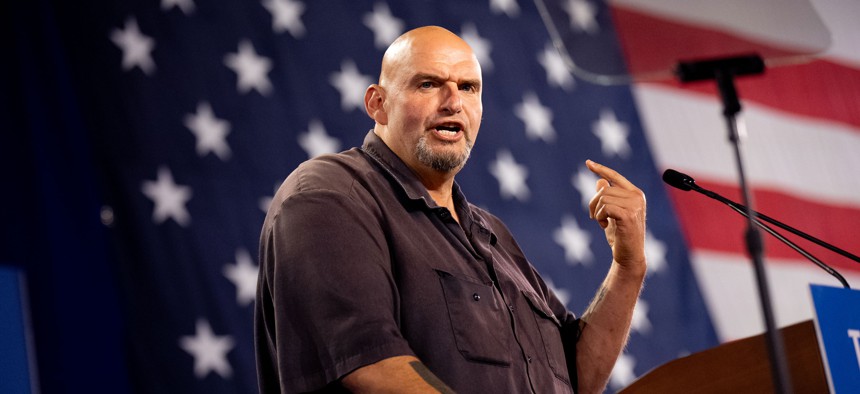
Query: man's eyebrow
x=434, y=77
x=425, y=76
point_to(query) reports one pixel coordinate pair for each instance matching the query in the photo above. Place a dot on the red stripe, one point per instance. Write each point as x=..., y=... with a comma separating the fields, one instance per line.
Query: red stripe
x=652, y=43
x=820, y=89
x=710, y=225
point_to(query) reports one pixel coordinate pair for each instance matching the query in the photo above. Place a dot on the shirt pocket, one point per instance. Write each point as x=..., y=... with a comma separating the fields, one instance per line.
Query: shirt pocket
x=550, y=332
x=478, y=321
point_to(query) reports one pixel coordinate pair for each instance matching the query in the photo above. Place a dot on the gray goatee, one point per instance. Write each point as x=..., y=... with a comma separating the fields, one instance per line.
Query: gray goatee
x=442, y=161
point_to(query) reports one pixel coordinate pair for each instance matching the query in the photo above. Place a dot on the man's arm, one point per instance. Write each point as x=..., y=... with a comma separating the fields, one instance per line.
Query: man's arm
x=619, y=208
x=401, y=374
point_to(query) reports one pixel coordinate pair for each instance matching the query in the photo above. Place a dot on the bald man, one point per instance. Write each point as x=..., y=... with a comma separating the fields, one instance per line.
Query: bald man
x=377, y=275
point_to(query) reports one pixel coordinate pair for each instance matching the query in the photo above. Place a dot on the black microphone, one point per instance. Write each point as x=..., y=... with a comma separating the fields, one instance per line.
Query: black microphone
x=679, y=180
x=685, y=182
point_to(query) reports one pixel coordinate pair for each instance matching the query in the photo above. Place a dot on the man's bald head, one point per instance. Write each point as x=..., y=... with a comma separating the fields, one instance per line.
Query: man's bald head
x=422, y=40
x=427, y=105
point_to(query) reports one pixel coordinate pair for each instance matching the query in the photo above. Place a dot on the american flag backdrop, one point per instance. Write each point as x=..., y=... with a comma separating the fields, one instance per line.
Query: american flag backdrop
x=196, y=111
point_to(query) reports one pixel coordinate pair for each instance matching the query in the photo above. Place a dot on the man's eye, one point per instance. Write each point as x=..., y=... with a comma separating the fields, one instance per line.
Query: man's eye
x=426, y=85
x=468, y=87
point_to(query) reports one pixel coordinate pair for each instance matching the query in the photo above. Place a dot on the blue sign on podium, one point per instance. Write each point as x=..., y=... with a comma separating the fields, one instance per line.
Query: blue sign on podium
x=837, y=320
x=15, y=362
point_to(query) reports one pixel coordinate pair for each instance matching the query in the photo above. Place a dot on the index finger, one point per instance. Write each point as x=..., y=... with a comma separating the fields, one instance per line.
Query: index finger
x=614, y=178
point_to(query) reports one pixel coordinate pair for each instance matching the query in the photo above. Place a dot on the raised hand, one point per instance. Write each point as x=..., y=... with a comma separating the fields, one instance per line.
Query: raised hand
x=619, y=207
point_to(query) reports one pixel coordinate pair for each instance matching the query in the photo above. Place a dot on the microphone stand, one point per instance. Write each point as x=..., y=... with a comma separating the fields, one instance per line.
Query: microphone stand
x=723, y=71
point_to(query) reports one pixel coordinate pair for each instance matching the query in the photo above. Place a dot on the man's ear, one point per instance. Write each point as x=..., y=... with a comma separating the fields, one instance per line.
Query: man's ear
x=374, y=98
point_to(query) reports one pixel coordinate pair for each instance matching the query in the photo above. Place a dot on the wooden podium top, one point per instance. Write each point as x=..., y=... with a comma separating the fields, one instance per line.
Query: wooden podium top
x=740, y=366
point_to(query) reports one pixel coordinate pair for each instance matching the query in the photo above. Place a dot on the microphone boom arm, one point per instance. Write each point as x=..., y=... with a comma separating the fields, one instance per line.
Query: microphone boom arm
x=792, y=245
x=776, y=223
x=686, y=183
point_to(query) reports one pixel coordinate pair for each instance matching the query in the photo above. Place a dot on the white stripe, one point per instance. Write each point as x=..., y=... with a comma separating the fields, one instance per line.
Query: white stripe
x=776, y=23
x=727, y=282
x=806, y=157
x=840, y=16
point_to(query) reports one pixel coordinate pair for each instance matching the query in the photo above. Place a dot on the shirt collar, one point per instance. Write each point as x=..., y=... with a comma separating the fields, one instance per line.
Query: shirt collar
x=405, y=179
x=411, y=186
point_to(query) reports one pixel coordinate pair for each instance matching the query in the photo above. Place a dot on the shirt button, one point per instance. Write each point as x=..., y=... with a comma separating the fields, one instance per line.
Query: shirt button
x=511, y=308
x=529, y=359
x=476, y=296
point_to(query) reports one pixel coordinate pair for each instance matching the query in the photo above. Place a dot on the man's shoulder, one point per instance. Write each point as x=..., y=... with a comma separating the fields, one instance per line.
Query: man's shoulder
x=330, y=177
x=333, y=172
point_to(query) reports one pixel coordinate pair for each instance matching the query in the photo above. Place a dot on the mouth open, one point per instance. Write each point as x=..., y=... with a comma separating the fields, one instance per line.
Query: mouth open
x=448, y=130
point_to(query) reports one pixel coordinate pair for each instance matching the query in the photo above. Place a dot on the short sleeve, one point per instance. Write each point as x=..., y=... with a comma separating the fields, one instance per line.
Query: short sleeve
x=333, y=299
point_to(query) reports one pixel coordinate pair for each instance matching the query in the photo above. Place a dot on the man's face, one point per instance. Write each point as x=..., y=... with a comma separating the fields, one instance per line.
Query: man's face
x=433, y=104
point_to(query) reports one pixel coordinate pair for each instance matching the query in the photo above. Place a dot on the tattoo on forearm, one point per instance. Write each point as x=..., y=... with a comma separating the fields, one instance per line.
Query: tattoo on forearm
x=430, y=378
x=597, y=300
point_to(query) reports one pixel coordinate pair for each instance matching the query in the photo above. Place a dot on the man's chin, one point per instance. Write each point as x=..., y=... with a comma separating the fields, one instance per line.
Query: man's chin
x=445, y=156
x=445, y=162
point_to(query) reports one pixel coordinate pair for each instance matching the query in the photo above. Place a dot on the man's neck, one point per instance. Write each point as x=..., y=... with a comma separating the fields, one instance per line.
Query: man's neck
x=439, y=184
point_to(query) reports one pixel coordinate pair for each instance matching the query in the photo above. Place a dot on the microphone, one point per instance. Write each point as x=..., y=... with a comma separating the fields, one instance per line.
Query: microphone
x=685, y=182
x=679, y=180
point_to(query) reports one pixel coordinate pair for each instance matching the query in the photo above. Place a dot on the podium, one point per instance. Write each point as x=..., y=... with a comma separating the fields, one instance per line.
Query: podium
x=740, y=367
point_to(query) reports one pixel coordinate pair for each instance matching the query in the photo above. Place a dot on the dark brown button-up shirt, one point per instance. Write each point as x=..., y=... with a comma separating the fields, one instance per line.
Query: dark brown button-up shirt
x=359, y=264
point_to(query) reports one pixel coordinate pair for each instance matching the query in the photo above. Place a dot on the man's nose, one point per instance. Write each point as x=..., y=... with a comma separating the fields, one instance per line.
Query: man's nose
x=451, y=100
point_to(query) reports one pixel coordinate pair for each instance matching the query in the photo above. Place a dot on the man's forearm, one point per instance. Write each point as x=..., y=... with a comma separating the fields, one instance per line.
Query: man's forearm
x=395, y=375
x=606, y=325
